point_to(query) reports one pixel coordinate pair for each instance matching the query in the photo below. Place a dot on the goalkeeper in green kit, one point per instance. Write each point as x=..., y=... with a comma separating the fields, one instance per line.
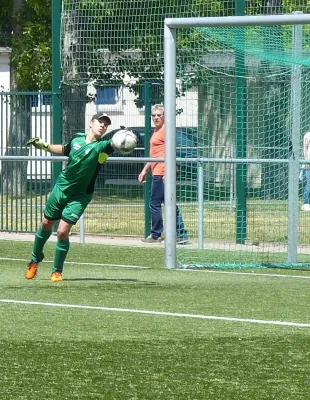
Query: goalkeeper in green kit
x=72, y=192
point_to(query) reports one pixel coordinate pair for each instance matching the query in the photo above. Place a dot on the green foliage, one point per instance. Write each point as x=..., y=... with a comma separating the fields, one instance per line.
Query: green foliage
x=29, y=37
x=118, y=26
x=117, y=39
x=33, y=52
x=5, y=23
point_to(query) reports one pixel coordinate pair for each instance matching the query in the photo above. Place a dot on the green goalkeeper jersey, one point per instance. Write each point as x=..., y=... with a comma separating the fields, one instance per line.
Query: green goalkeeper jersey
x=84, y=163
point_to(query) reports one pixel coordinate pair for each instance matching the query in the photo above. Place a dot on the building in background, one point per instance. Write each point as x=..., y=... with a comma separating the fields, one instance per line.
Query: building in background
x=5, y=69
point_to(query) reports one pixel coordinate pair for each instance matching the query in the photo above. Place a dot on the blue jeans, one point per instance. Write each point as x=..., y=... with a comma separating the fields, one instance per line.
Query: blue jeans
x=156, y=201
x=307, y=188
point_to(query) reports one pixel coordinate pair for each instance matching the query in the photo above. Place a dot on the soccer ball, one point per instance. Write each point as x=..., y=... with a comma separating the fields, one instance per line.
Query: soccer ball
x=124, y=141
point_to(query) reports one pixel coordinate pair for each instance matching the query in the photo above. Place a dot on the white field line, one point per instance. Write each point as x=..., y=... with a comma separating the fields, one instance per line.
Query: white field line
x=79, y=263
x=160, y=313
x=246, y=273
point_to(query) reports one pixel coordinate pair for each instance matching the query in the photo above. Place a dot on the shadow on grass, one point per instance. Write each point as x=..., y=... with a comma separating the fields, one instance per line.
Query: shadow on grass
x=110, y=280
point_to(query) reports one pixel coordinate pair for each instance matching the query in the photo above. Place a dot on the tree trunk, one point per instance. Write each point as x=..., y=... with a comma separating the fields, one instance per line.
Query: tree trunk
x=215, y=122
x=14, y=173
x=74, y=94
x=274, y=177
x=73, y=110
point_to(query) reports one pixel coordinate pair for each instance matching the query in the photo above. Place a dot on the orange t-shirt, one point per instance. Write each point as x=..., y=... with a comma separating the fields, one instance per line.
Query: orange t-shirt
x=157, y=150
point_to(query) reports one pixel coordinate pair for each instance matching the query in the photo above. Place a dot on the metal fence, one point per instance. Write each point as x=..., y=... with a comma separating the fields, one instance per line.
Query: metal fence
x=117, y=207
x=120, y=203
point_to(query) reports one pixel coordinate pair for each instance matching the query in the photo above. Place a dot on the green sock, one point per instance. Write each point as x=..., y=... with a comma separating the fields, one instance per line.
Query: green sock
x=62, y=248
x=41, y=238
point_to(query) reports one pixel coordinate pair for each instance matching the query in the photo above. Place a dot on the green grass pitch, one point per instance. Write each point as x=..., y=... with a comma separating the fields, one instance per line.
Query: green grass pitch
x=150, y=333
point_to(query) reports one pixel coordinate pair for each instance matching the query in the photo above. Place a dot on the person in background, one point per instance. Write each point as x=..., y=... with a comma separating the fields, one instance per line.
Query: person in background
x=306, y=196
x=72, y=192
x=157, y=150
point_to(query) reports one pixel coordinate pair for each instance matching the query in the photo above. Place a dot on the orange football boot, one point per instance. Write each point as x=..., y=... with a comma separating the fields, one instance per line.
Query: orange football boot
x=56, y=276
x=32, y=269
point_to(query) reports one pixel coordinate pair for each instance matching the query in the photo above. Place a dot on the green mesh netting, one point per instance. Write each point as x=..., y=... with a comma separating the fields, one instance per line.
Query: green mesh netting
x=246, y=80
x=264, y=43
x=108, y=40
x=235, y=88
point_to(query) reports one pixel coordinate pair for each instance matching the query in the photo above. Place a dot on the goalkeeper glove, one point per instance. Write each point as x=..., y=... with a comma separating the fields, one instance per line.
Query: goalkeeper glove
x=38, y=143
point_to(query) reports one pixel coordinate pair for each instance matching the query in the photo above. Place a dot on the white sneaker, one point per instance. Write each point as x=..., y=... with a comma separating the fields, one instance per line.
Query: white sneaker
x=305, y=207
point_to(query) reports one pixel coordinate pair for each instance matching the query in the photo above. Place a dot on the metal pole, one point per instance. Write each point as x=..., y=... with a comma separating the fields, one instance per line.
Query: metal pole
x=82, y=229
x=241, y=134
x=170, y=147
x=243, y=20
x=240, y=7
x=293, y=178
x=147, y=136
x=200, y=205
x=232, y=180
x=56, y=81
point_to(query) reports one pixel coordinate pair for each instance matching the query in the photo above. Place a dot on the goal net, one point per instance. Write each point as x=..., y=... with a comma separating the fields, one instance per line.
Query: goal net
x=250, y=89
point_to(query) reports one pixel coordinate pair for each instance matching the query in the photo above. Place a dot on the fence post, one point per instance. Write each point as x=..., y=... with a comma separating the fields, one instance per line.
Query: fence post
x=56, y=117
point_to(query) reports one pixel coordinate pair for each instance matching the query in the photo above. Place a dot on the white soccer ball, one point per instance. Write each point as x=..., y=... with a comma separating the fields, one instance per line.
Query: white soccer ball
x=124, y=141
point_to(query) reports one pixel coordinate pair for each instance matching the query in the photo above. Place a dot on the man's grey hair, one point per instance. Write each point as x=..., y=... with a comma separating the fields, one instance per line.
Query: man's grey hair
x=158, y=107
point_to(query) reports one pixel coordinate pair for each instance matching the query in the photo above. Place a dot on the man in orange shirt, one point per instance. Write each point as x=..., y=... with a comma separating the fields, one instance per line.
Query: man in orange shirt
x=157, y=150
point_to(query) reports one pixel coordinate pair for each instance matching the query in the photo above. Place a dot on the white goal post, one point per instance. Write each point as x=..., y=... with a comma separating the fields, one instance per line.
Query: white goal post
x=170, y=67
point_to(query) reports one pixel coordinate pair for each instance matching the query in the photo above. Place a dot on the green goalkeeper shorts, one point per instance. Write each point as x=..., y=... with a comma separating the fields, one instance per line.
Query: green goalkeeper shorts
x=66, y=207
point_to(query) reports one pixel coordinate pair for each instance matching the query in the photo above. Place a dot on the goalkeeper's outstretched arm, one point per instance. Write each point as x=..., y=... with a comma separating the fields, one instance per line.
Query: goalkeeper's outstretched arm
x=38, y=143
x=57, y=149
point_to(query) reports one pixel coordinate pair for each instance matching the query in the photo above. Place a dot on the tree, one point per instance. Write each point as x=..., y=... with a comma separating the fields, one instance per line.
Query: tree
x=31, y=45
x=105, y=42
x=28, y=28
x=5, y=23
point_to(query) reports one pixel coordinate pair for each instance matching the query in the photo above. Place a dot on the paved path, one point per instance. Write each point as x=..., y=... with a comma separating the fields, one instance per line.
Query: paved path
x=74, y=238
x=136, y=241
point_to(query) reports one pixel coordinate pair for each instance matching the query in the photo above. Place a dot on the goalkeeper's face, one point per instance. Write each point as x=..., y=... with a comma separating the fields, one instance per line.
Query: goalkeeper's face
x=99, y=127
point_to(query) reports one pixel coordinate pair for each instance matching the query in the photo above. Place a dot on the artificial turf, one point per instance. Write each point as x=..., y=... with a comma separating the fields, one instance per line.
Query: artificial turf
x=117, y=347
